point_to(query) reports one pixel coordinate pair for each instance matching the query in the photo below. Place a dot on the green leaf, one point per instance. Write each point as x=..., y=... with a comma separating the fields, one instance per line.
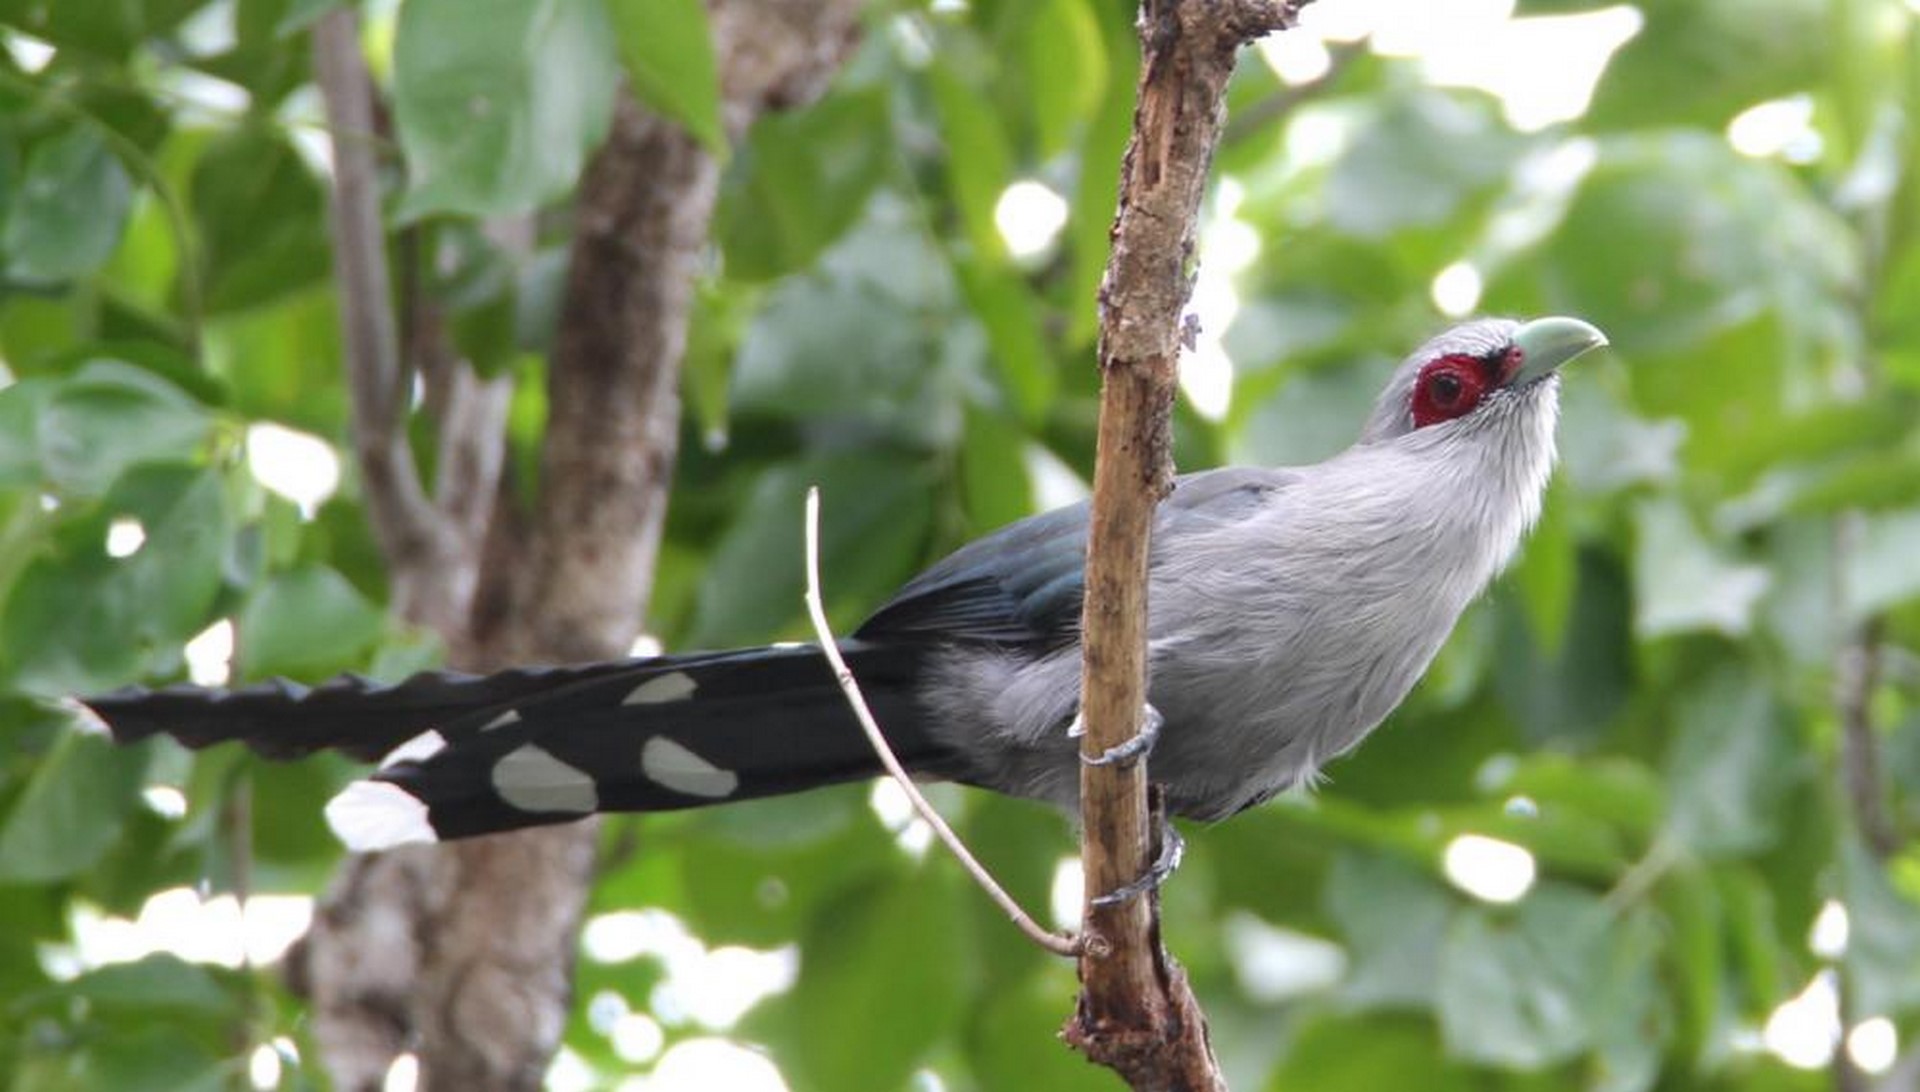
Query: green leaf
x=1696, y=955
x=110, y=416
x=143, y=276
x=979, y=164
x=874, y=514
x=993, y=471
x=1095, y=191
x=147, y=1059
x=1702, y=61
x=1564, y=841
x=1605, y=447
x=262, y=219
x=1347, y=1054
x=831, y=348
x=1013, y=1042
x=800, y=181
x=30, y=916
x=39, y=332
x=1626, y=1007
x=1880, y=573
x=288, y=799
x=282, y=361
x=1883, y=938
x=1867, y=481
x=306, y=620
x=69, y=209
x=104, y=30
x=668, y=52
x=877, y=935
x=157, y=981
x=1683, y=581
x=1064, y=62
x=1394, y=917
x=1800, y=611
x=722, y=313
x=497, y=105
x=175, y=576
x=259, y=58
x=757, y=874
x=1311, y=416
x=1753, y=936
x=72, y=809
x=1512, y=993
x=1731, y=765
x=67, y=624
x=1547, y=574
x=1570, y=694
x=1620, y=791
x=1291, y=892
x=1022, y=842
x=1837, y=428
x=1004, y=304
x=301, y=14
x=150, y=855
x=22, y=405
x=1415, y=162
x=1699, y=261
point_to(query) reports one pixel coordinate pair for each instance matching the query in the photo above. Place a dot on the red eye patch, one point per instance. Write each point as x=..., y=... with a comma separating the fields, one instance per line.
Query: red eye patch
x=1448, y=387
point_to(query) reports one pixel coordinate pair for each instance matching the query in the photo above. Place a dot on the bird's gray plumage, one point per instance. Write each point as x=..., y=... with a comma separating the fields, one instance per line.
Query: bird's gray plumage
x=1290, y=610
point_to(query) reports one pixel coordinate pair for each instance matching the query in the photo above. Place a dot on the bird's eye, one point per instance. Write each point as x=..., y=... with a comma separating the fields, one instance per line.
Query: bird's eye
x=1449, y=387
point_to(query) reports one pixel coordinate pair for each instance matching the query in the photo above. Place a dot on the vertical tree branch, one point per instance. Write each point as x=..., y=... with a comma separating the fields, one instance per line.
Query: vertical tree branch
x=1856, y=673
x=410, y=533
x=1135, y=1013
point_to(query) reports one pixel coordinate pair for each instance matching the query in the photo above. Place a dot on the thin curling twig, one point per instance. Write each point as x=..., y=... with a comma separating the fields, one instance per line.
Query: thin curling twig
x=1052, y=942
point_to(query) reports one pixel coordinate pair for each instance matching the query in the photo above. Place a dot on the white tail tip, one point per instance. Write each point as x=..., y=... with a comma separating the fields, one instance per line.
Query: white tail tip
x=84, y=718
x=374, y=815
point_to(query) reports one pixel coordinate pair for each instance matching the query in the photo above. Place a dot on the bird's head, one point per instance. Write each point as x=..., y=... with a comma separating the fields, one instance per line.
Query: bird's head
x=1482, y=370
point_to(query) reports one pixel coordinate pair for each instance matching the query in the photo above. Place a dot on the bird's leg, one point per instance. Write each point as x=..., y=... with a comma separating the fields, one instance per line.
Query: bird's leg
x=1129, y=751
x=1172, y=847
x=1171, y=844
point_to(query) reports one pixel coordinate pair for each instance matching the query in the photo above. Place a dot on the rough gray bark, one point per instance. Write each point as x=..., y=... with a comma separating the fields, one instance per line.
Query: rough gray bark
x=464, y=953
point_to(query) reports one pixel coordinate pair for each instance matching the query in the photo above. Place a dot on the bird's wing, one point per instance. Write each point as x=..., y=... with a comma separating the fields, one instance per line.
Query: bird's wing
x=1022, y=584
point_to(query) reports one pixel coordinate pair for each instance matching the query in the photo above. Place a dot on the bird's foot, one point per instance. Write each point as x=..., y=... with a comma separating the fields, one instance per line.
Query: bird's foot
x=1129, y=751
x=1172, y=847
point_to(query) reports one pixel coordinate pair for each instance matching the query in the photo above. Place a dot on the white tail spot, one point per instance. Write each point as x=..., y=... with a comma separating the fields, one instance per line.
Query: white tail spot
x=532, y=780
x=418, y=749
x=373, y=815
x=672, y=766
x=673, y=686
x=511, y=716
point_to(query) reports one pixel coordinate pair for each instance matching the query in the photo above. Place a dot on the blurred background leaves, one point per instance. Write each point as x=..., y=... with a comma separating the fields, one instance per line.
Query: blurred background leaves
x=1649, y=824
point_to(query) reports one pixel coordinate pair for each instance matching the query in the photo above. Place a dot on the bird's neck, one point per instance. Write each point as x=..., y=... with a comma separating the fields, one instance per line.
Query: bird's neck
x=1442, y=508
x=1482, y=486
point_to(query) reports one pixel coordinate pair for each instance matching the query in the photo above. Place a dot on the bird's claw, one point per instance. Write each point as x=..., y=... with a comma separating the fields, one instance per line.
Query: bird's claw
x=1172, y=848
x=1172, y=845
x=1133, y=748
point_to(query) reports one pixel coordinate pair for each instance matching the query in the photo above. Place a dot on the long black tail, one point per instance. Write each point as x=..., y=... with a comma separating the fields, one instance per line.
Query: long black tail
x=470, y=754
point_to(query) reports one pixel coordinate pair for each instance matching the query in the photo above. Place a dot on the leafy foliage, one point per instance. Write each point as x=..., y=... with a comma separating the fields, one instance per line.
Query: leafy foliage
x=1646, y=704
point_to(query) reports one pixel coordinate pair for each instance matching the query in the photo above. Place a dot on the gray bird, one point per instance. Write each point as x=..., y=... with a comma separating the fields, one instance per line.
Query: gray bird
x=1290, y=611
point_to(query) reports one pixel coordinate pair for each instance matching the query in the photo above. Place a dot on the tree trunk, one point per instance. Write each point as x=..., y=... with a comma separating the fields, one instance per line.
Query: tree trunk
x=464, y=953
